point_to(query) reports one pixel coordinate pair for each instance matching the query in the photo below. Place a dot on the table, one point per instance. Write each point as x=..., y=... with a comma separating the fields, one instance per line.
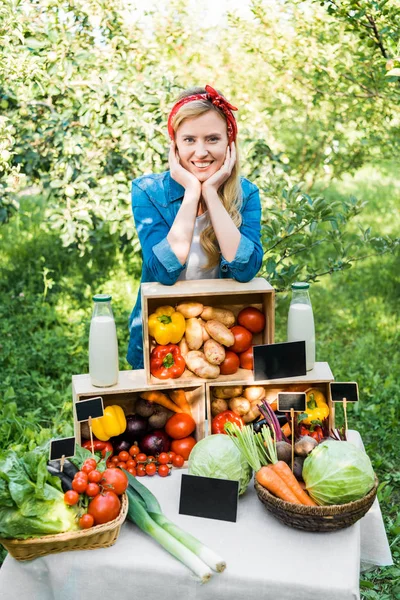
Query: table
x=265, y=559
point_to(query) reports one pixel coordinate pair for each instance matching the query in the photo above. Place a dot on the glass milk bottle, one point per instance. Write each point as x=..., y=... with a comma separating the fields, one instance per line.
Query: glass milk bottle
x=301, y=321
x=103, y=343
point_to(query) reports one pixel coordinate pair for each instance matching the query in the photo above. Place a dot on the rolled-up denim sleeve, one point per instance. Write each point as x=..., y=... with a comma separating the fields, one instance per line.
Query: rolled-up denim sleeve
x=152, y=231
x=249, y=255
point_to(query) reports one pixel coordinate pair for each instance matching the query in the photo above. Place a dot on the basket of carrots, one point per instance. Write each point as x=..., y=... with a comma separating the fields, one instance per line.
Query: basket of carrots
x=283, y=495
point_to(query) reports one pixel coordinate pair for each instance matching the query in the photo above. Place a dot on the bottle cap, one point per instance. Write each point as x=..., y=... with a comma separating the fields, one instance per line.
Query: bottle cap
x=300, y=285
x=102, y=298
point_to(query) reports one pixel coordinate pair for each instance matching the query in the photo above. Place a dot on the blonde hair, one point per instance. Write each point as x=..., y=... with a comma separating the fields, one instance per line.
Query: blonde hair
x=230, y=193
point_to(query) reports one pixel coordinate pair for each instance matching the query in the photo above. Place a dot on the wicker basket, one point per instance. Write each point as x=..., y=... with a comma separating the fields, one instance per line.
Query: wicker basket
x=100, y=536
x=316, y=518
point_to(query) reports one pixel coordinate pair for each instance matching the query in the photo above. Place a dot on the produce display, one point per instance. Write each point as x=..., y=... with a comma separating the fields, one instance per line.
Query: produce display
x=206, y=340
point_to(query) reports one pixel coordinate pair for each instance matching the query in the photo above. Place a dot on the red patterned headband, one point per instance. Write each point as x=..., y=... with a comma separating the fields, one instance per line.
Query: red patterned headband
x=218, y=101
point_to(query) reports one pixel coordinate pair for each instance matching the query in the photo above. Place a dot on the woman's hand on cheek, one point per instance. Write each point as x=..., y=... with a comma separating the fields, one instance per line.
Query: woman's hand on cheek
x=215, y=181
x=180, y=174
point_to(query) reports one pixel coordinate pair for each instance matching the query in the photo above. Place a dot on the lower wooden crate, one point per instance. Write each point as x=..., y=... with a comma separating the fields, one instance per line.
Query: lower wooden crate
x=319, y=378
x=127, y=391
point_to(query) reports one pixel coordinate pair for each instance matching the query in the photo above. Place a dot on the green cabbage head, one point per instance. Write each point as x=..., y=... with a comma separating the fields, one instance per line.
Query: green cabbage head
x=216, y=456
x=337, y=472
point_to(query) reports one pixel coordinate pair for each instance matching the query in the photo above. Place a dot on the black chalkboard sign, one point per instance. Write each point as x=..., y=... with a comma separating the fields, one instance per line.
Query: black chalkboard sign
x=89, y=408
x=62, y=447
x=292, y=400
x=344, y=391
x=276, y=361
x=209, y=498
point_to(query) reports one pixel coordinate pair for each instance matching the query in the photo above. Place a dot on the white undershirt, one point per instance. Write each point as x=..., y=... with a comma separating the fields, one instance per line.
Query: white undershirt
x=197, y=258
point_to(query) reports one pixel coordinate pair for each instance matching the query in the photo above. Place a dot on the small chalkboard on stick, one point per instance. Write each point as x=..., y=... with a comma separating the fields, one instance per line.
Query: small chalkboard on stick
x=277, y=361
x=62, y=449
x=344, y=392
x=292, y=402
x=209, y=498
x=89, y=408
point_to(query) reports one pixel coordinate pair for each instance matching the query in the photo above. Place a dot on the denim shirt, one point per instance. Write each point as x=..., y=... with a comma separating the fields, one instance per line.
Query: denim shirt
x=156, y=200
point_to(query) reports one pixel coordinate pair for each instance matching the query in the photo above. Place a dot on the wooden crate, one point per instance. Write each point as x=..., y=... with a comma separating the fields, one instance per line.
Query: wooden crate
x=127, y=390
x=319, y=377
x=219, y=293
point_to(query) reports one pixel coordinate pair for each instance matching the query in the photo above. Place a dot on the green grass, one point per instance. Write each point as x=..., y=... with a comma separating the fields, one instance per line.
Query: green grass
x=45, y=314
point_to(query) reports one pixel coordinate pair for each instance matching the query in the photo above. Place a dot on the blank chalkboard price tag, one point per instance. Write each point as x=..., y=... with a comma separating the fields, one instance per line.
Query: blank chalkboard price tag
x=276, y=361
x=209, y=498
x=292, y=400
x=62, y=449
x=344, y=391
x=89, y=408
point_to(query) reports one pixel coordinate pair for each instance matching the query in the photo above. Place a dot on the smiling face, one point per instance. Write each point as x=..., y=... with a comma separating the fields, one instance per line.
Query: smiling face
x=202, y=143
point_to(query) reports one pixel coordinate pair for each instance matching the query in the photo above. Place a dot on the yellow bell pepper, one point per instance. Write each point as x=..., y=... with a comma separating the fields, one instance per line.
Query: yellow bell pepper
x=316, y=407
x=166, y=325
x=113, y=422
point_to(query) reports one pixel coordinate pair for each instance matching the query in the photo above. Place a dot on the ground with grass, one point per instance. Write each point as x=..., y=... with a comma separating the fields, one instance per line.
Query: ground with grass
x=45, y=314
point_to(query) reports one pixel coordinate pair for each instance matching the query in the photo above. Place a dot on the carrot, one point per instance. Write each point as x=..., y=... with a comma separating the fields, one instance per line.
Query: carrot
x=284, y=472
x=275, y=484
x=179, y=397
x=162, y=399
x=286, y=430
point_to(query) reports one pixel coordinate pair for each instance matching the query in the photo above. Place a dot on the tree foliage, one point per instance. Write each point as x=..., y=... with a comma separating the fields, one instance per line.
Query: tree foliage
x=86, y=86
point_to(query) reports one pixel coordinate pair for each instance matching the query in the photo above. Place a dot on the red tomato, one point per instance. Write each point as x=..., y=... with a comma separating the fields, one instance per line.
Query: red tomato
x=246, y=359
x=252, y=318
x=71, y=497
x=231, y=363
x=183, y=446
x=92, y=490
x=243, y=339
x=114, y=479
x=86, y=521
x=95, y=476
x=180, y=426
x=151, y=469
x=79, y=485
x=178, y=461
x=163, y=470
x=105, y=507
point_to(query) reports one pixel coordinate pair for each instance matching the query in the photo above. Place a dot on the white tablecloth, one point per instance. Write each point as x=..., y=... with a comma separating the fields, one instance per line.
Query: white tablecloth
x=265, y=560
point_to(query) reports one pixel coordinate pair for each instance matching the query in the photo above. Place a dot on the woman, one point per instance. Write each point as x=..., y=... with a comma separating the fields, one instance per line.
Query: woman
x=200, y=219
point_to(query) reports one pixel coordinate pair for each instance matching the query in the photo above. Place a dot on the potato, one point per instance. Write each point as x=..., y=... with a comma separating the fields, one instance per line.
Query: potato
x=197, y=363
x=194, y=334
x=223, y=315
x=252, y=414
x=220, y=333
x=203, y=326
x=254, y=392
x=214, y=352
x=190, y=309
x=218, y=406
x=240, y=405
x=228, y=391
x=183, y=346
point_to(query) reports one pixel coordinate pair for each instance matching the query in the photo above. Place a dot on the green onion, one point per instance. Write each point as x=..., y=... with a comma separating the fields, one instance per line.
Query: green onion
x=145, y=511
x=269, y=444
x=244, y=439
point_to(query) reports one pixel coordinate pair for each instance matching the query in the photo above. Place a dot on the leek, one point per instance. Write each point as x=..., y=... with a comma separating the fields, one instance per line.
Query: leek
x=144, y=510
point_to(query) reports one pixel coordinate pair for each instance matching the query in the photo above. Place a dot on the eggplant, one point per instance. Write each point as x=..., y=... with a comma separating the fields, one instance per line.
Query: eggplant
x=69, y=468
x=66, y=481
x=257, y=425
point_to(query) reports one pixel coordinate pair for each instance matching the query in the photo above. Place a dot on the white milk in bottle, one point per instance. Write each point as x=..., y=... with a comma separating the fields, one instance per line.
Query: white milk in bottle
x=103, y=343
x=301, y=321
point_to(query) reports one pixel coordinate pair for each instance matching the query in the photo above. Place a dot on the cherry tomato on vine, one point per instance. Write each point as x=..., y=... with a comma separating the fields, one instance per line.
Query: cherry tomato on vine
x=79, y=485
x=92, y=490
x=115, y=460
x=123, y=456
x=71, y=497
x=141, y=457
x=95, y=476
x=163, y=458
x=81, y=475
x=141, y=470
x=163, y=470
x=132, y=471
x=178, y=461
x=86, y=521
x=151, y=469
x=130, y=464
x=134, y=450
x=171, y=455
x=121, y=465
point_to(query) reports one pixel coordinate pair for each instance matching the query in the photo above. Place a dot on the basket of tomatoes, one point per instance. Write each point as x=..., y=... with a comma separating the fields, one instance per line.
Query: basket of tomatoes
x=101, y=505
